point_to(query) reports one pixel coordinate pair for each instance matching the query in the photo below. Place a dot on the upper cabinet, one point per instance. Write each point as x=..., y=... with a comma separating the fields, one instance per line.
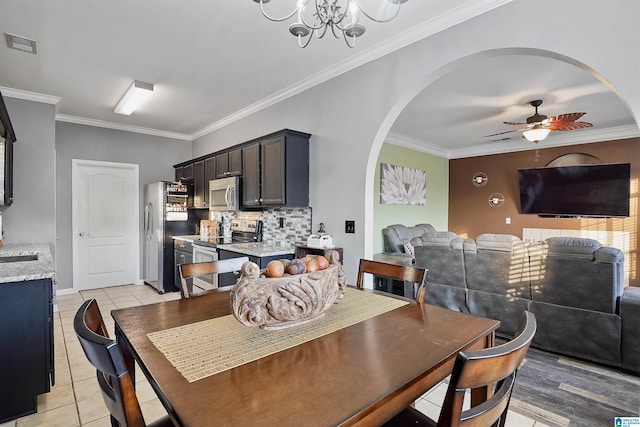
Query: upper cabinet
x=229, y=164
x=276, y=171
x=199, y=189
x=7, y=138
x=184, y=173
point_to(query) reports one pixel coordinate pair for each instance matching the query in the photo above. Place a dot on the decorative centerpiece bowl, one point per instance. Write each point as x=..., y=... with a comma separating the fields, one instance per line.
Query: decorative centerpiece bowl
x=290, y=300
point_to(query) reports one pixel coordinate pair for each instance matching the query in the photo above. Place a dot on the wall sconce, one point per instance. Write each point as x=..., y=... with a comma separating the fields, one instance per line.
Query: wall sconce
x=137, y=93
x=480, y=179
x=496, y=200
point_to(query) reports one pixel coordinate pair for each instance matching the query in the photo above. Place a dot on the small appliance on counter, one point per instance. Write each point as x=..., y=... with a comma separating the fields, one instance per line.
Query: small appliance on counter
x=208, y=229
x=320, y=240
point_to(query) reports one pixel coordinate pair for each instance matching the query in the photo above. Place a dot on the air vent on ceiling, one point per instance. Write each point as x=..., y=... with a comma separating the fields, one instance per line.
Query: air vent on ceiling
x=21, y=43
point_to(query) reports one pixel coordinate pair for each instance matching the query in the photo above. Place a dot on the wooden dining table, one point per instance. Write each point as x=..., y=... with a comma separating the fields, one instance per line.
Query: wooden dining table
x=362, y=374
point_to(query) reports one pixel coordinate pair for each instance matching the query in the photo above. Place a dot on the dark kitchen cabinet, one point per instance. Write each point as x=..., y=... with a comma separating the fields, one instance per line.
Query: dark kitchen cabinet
x=184, y=173
x=7, y=138
x=229, y=164
x=26, y=356
x=199, y=188
x=251, y=176
x=276, y=171
x=182, y=254
x=210, y=169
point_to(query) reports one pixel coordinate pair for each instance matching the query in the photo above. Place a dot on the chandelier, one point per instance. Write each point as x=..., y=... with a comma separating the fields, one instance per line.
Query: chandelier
x=340, y=17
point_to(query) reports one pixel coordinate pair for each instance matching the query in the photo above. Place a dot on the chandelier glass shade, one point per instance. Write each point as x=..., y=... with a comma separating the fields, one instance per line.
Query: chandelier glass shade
x=342, y=18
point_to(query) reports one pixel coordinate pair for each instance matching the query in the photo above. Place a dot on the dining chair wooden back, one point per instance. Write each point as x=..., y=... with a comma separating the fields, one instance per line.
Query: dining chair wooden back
x=493, y=368
x=392, y=271
x=114, y=380
x=189, y=271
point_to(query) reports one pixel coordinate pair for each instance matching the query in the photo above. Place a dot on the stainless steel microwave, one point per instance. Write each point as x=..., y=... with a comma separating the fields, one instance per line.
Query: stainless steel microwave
x=224, y=194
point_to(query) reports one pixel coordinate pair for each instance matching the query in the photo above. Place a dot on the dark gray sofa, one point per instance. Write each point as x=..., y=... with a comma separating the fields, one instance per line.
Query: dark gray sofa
x=573, y=285
x=397, y=235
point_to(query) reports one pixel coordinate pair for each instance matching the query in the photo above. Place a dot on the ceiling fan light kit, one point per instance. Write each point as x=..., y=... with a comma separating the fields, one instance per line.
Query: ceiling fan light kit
x=536, y=134
x=538, y=126
x=341, y=17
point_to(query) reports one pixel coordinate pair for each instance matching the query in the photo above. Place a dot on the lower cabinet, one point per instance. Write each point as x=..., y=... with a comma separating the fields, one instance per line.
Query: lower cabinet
x=26, y=346
x=228, y=279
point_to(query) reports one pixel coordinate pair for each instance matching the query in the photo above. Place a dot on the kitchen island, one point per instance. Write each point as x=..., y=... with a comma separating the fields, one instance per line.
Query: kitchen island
x=258, y=252
x=257, y=249
x=26, y=314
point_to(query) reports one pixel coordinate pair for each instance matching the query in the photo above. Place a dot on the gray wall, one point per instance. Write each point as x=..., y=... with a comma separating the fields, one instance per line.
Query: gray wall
x=31, y=217
x=154, y=155
x=350, y=115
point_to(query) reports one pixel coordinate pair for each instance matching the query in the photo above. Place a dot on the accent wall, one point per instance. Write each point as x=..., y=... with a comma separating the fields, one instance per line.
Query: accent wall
x=471, y=215
x=436, y=209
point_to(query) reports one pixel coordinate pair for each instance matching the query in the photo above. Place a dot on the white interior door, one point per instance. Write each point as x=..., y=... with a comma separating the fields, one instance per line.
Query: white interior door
x=105, y=200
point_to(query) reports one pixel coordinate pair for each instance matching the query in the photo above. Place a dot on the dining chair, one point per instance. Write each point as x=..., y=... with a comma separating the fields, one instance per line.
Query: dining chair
x=491, y=367
x=405, y=273
x=188, y=271
x=114, y=380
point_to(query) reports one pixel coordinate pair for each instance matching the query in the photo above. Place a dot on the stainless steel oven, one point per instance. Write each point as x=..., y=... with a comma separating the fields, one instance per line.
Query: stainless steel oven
x=204, y=254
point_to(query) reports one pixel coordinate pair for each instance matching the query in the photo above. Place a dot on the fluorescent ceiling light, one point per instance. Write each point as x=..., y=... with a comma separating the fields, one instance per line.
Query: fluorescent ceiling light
x=20, y=43
x=135, y=96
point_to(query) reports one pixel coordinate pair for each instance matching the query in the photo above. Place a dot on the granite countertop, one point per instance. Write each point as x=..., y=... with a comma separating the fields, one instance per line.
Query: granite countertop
x=188, y=238
x=258, y=249
x=42, y=268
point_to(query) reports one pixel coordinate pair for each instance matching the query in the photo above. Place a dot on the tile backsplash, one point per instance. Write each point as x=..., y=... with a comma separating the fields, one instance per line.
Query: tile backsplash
x=296, y=224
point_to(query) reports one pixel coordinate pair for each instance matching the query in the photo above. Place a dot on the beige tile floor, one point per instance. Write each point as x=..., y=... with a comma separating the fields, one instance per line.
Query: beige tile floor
x=75, y=400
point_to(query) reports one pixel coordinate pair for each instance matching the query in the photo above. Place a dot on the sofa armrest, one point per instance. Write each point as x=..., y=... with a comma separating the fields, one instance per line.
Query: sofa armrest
x=630, y=313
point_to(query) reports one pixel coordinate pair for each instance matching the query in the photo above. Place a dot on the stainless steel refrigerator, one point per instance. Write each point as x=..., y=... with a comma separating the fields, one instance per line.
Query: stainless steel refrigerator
x=165, y=216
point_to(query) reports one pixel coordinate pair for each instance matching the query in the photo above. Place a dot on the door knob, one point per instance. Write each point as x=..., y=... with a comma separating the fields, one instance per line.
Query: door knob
x=83, y=234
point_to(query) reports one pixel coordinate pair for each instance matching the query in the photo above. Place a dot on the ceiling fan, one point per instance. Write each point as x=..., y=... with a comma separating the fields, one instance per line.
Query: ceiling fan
x=538, y=126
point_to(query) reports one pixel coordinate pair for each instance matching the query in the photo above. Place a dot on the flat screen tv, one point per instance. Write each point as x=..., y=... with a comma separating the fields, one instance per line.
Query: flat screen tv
x=600, y=190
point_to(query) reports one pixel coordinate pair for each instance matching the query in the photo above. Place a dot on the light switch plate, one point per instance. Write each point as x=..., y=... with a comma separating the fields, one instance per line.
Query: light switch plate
x=349, y=226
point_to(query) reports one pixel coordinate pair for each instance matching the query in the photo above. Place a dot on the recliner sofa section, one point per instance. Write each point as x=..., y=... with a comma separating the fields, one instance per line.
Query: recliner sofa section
x=573, y=285
x=397, y=235
x=443, y=252
x=576, y=288
x=498, y=279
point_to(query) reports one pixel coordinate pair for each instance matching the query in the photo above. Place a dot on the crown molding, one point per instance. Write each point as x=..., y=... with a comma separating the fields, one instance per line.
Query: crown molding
x=511, y=146
x=555, y=140
x=464, y=12
x=416, y=144
x=118, y=126
x=29, y=96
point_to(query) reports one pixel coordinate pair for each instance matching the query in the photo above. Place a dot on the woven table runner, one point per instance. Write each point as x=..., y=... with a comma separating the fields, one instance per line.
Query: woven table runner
x=205, y=348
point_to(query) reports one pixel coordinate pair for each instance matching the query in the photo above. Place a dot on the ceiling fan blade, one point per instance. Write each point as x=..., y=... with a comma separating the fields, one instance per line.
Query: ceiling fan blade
x=566, y=118
x=515, y=123
x=502, y=133
x=569, y=126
